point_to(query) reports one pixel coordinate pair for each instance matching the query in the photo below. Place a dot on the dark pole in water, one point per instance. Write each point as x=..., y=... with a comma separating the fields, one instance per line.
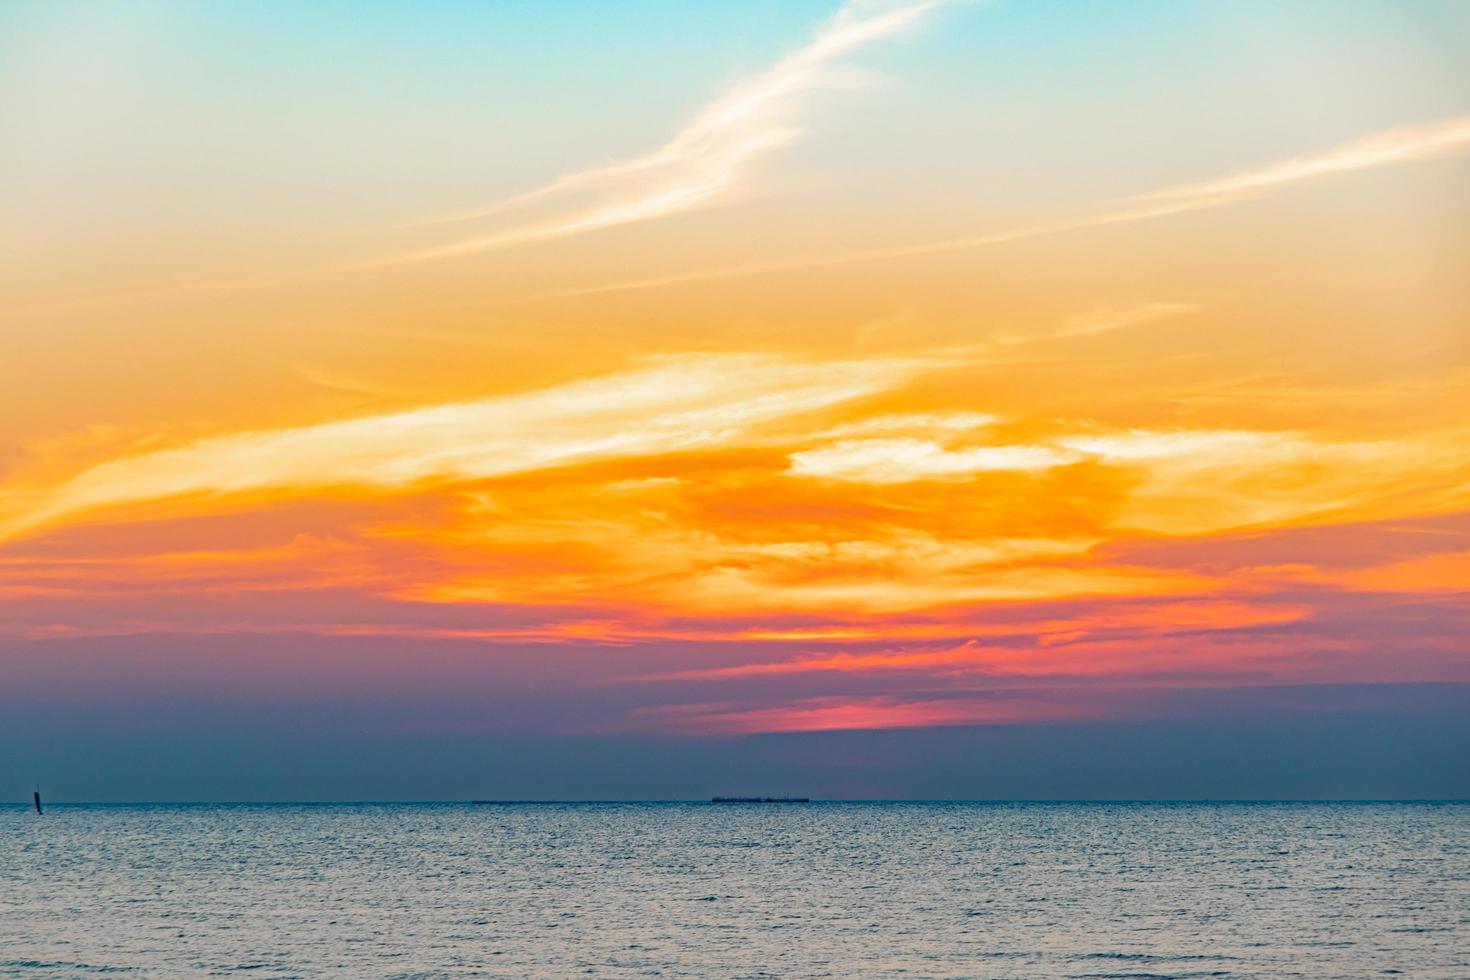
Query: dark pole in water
x=37, y=797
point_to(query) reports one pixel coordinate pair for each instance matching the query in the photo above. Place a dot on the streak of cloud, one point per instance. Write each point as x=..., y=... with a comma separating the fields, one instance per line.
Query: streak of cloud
x=682, y=404
x=703, y=161
x=906, y=460
x=1398, y=145
x=852, y=713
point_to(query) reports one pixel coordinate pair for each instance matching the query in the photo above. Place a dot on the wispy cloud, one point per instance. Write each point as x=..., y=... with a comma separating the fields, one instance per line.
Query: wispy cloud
x=1093, y=326
x=1031, y=647
x=907, y=460
x=1398, y=145
x=702, y=162
x=681, y=404
x=850, y=713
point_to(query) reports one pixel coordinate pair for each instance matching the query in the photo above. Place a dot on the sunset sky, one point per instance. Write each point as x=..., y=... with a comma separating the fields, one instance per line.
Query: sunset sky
x=605, y=399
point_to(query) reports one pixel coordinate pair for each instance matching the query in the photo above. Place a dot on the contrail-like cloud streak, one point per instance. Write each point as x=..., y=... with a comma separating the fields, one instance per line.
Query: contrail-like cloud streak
x=702, y=162
x=1396, y=145
x=1399, y=145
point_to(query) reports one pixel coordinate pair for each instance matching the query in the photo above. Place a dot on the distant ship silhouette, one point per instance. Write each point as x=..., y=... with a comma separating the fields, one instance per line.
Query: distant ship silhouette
x=36, y=797
x=759, y=799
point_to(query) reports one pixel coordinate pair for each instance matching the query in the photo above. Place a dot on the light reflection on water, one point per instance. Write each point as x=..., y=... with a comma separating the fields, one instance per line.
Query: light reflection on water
x=694, y=890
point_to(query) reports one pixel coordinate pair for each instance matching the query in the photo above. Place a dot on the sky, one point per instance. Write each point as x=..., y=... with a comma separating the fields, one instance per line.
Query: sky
x=880, y=398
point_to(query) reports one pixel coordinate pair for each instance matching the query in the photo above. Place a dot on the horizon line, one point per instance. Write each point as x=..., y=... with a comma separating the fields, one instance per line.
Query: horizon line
x=705, y=801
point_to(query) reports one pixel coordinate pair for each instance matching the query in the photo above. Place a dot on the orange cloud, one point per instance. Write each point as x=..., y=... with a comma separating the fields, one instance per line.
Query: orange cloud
x=682, y=404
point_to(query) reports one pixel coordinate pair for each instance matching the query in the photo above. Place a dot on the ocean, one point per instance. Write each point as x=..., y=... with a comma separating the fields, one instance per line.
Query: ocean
x=1019, y=890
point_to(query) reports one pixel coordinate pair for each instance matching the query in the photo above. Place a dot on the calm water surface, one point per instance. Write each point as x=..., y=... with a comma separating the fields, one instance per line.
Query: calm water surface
x=688, y=890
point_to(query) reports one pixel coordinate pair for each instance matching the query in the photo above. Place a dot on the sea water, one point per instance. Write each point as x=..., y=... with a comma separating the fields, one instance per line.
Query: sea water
x=1024, y=890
